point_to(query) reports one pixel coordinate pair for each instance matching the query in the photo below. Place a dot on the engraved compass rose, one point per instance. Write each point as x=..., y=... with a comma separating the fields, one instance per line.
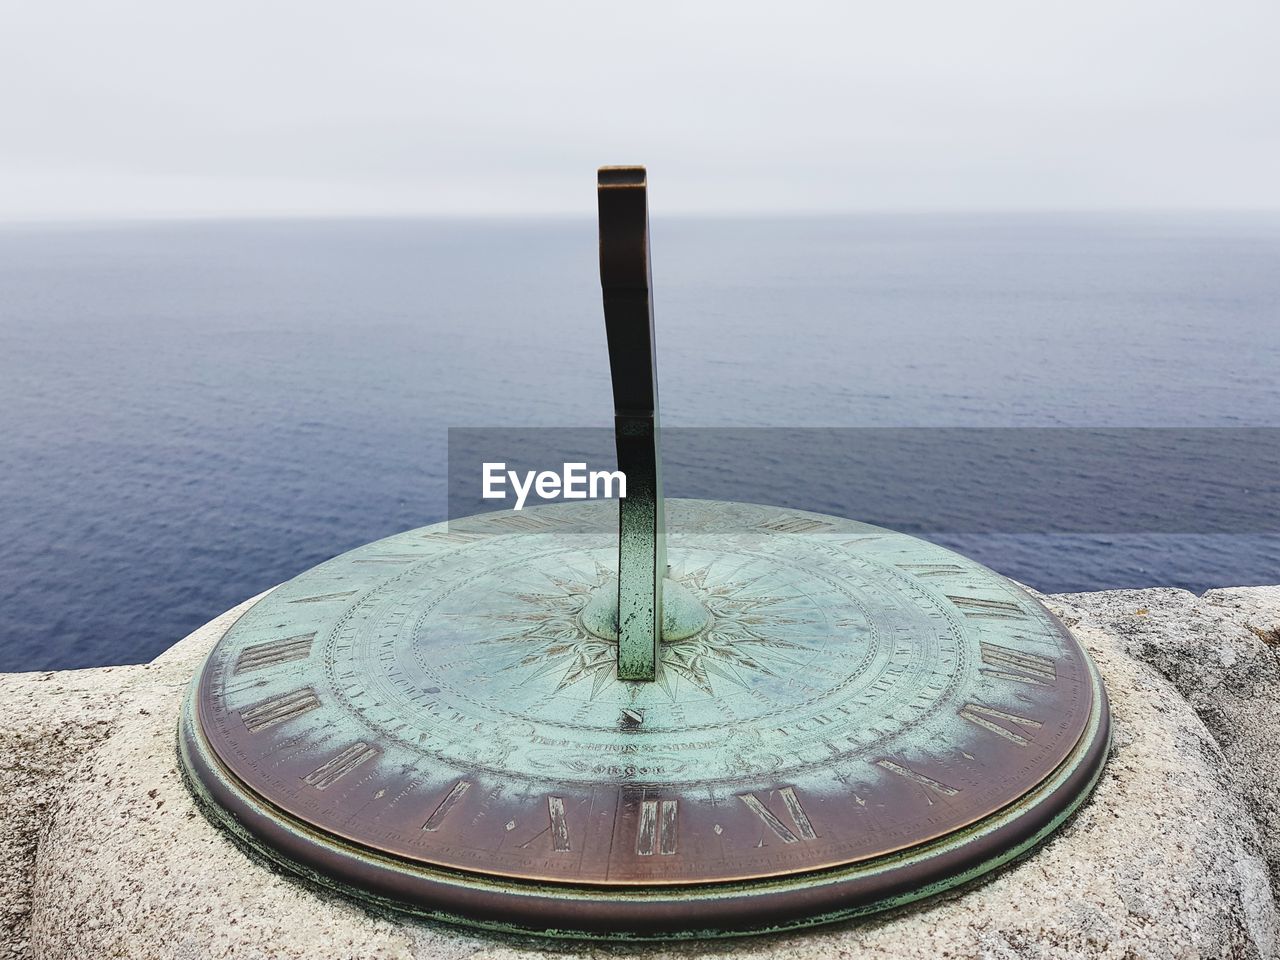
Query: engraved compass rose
x=535, y=727
x=551, y=636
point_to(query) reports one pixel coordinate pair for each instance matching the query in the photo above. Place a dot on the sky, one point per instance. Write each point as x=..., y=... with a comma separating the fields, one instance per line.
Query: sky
x=170, y=108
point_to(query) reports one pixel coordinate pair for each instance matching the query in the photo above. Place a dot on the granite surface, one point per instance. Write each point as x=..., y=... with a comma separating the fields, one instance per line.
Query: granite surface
x=102, y=853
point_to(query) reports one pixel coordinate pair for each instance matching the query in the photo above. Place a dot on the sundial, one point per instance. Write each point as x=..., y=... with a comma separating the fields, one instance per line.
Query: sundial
x=722, y=718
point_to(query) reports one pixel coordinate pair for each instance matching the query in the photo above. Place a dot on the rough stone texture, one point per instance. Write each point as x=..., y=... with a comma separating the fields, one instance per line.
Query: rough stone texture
x=51, y=720
x=1222, y=652
x=1165, y=862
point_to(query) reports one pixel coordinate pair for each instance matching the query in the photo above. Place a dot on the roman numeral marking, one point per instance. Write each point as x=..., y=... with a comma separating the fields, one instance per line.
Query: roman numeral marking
x=448, y=803
x=1009, y=664
x=274, y=653
x=559, y=826
x=657, y=827
x=794, y=524
x=330, y=772
x=320, y=598
x=279, y=709
x=979, y=609
x=929, y=784
x=930, y=569
x=1000, y=723
x=523, y=524
x=458, y=536
x=668, y=820
x=798, y=817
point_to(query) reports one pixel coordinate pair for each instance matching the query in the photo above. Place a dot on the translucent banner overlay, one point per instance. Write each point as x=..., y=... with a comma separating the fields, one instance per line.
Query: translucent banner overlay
x=930, y=480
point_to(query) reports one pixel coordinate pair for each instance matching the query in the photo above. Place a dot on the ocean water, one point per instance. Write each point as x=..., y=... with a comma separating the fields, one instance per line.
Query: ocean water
x=190, y=413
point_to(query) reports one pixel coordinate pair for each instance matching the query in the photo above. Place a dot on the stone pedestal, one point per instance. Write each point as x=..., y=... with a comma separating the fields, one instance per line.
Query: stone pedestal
x=102, y=853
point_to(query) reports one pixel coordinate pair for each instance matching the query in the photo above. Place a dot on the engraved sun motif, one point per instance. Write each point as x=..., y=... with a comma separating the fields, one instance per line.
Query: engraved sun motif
x=735, y=642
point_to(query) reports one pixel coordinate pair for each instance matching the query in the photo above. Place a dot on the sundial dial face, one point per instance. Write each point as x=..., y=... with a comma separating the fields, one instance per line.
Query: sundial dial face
x=837, y=719
x=436, y=699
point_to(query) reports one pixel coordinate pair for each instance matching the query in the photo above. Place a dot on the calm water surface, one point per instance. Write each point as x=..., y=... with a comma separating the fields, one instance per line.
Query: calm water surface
x=192, y=412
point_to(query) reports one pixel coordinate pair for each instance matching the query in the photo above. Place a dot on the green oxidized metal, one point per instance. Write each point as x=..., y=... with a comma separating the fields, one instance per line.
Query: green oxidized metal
x=518, y=722
x=865, y=718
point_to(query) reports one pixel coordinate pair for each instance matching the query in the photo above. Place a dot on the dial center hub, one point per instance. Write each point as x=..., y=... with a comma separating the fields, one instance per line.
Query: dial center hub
x=683, y=614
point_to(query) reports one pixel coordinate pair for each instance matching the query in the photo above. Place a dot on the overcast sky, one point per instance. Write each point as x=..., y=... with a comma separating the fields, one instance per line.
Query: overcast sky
x=228, y=108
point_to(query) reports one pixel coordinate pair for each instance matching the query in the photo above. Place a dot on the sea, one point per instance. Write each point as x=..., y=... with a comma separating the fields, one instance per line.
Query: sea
x=191, y=412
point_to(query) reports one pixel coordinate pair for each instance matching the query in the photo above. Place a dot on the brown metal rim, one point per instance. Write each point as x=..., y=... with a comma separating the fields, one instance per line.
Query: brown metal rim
x=340, y=831
x=648, y=913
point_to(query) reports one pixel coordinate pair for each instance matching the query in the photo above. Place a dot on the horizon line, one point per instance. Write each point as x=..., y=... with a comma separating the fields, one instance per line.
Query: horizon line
x=195, y=217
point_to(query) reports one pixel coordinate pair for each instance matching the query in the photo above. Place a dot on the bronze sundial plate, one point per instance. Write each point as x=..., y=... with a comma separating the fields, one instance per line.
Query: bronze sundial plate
x=864, y=719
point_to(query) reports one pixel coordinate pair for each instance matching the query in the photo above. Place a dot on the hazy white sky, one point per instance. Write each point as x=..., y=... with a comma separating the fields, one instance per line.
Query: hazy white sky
x=226, y=108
